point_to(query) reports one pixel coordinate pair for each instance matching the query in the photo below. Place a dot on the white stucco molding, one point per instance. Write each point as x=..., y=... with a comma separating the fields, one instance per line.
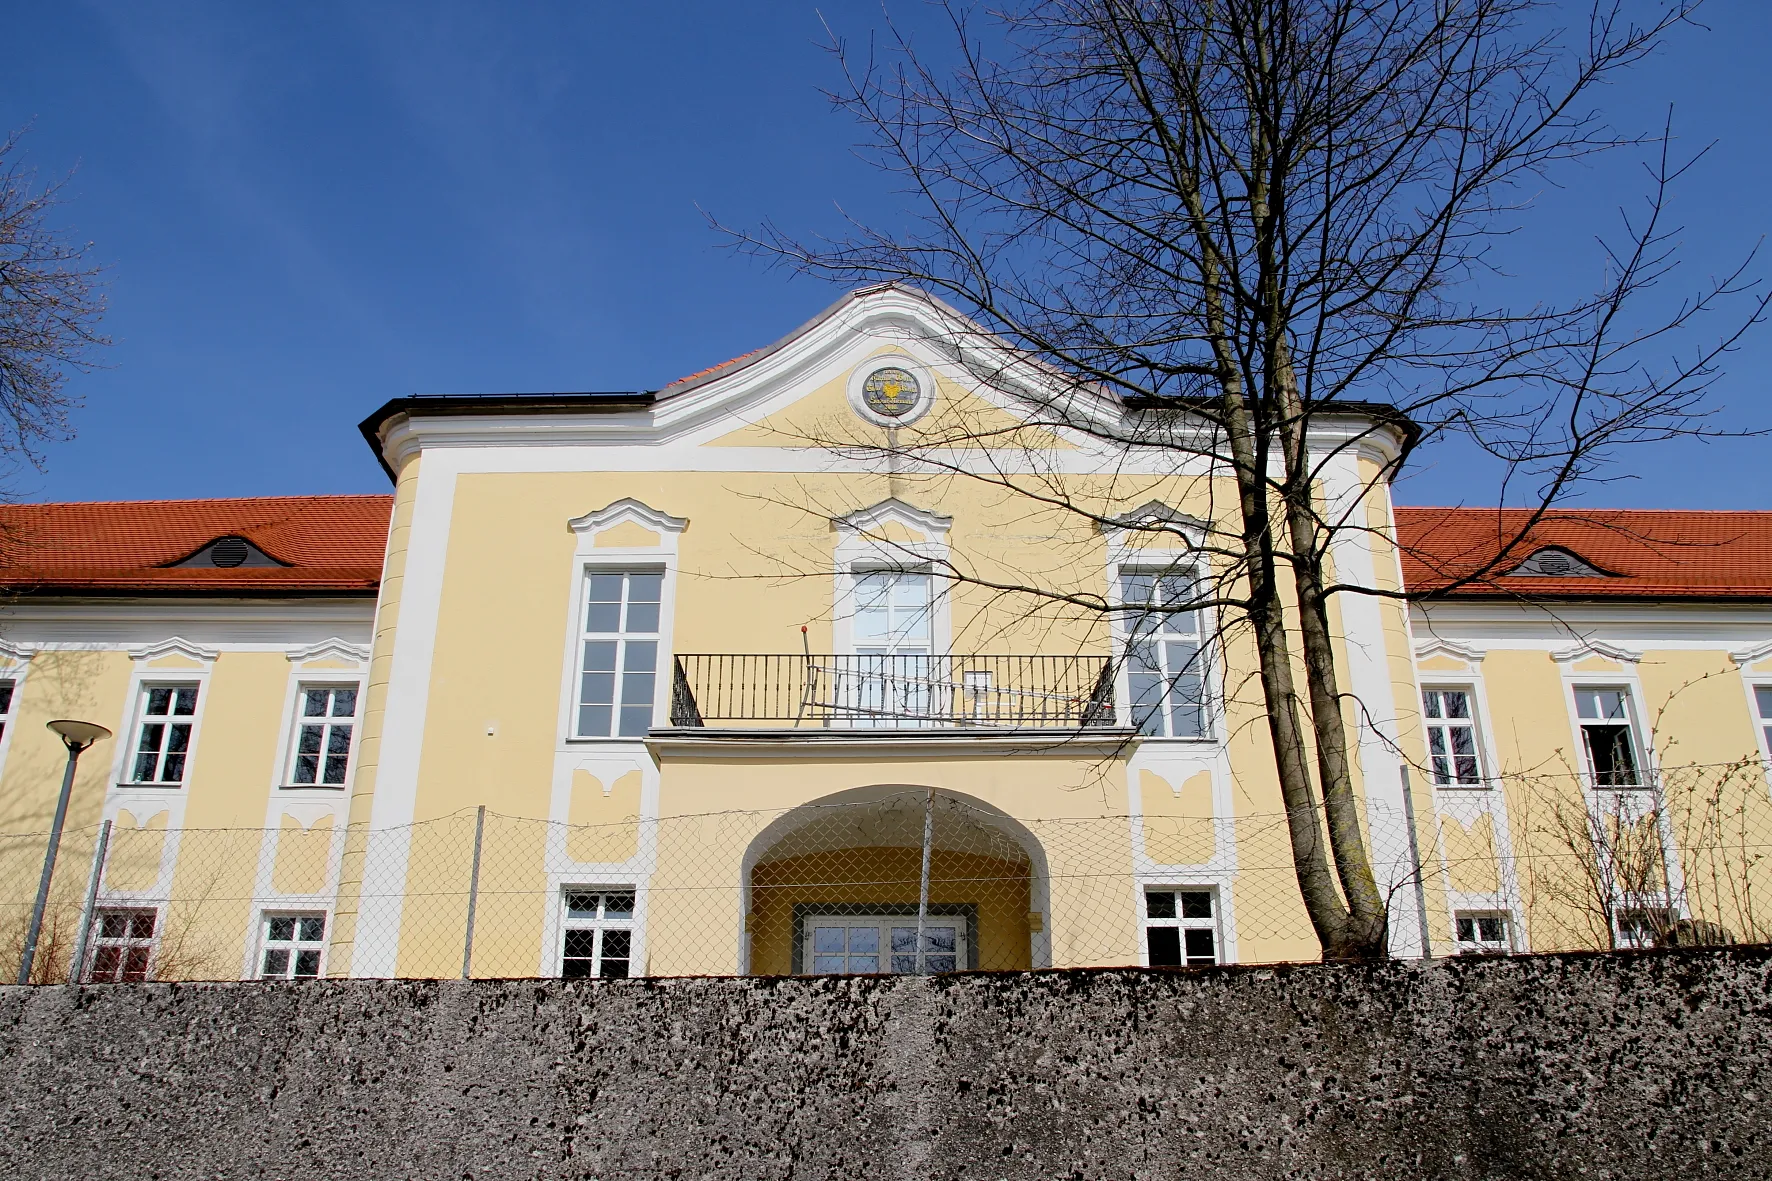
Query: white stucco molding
x=1753, y=655
x=14, y=653
x=625, y=510
x=875, y=517
x=176, y=646
x=1470, y=653
x=333, y=648
x=1598, y=648
x=1154, y=518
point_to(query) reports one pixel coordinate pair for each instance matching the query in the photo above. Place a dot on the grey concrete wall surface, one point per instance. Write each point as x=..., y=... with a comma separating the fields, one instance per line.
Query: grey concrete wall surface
x=1627, y=1066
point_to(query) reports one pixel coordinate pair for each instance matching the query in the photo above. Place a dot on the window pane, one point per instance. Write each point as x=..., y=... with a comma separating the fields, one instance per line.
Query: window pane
x=1164, y=945
x=864, y=963
x=1200, y=946
x=581, y=943
x=828, y=939
x=344, y=703
x=940, y=939
x=1763, y=695
x=141, y=925
x=282, y=929
x=618, y=906
x=185, y=700
x=645, y=588
x=1196, y=904
x=904, y=939
x=828, y=965
x=307, y=962
x=616, y=944
x=159, y=701
x=1430, y=703
x=581, y=906
x=593, y=721
x=277, y=961
x=1457, y=705
x=313, y=927
x=1160, y=904
x=314, y=703
x=642, y=618
x=864, y=940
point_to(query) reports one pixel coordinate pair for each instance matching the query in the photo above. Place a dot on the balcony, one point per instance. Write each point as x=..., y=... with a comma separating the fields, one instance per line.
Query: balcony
x=1054, y=695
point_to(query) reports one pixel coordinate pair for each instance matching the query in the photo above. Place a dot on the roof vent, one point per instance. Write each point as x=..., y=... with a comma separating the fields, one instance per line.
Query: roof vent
x=226, y=553
x=229, y=551
x=1555, y=562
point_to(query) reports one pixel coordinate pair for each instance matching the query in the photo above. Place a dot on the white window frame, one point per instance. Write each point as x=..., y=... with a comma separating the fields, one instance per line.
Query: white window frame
x=293, y=946
x=292, y=728
x=123, y=749
x=1639, y=731
x=1632, y=942
x=95, y=942
x=1762, y=722
x=172, y=682
x=1479, y=945
x=1479, y=733
x=566, y=924
x=1167, y=564
x=15, y=666
x=663, y=665
x=963, y=952
x=1213, y=923
x=590, y=558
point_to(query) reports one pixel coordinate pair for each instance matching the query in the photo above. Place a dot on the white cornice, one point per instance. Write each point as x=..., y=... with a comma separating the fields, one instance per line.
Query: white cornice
x=1598, y=648
x=14, y=653
x=1428, y=649
x=1751, y=655
x=872, y=518
x=176, y=646
x=333, y=649
x=627, y=509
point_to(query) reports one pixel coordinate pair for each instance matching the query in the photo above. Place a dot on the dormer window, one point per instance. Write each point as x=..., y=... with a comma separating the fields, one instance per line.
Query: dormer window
x=1555, y=562
x=226, y=553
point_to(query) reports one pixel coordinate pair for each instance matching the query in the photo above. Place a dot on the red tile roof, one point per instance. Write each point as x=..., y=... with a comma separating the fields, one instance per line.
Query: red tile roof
x=1650, y=554
x=332, y=544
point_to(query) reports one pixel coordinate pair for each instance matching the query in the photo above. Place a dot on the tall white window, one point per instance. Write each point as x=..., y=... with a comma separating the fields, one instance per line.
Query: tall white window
x=163, y=733
x=293, y=946
x=1166, y=666
x=599, y=939
x=893, y=635
x=618, y=674
x=1609, y=736
x=1451, y=737
x=324, y=730
x=1763, y=702
x=1180, y=928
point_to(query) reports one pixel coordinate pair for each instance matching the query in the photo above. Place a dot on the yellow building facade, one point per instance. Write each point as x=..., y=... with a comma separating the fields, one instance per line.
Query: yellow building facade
x=828, y=660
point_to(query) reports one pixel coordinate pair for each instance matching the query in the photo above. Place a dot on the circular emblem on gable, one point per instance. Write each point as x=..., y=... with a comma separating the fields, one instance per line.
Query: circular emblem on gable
x=891, y=392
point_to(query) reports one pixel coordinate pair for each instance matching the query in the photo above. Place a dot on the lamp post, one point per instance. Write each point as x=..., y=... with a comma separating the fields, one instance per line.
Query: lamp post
x=76, y=736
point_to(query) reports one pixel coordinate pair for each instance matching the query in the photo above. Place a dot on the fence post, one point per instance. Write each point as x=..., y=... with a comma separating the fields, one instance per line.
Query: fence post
x=923, y=880
x=77, y=968
x=467, y=947
x=1427, y=948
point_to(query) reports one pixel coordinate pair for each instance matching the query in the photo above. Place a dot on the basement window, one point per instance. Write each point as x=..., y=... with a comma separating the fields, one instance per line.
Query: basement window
x=1482, y=932
x=293, y=946
x=599, y=939
x=1181, y=928
x=122, y=945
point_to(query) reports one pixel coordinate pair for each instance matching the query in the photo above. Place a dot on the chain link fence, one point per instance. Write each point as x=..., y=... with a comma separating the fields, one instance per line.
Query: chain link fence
x=889, y=881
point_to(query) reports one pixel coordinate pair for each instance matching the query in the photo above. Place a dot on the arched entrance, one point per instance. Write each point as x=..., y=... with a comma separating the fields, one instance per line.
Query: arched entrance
x=835, y=886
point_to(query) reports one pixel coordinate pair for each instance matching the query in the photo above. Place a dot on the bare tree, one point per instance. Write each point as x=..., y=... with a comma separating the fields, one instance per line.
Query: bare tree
x=50, y=307
x=1250, y=220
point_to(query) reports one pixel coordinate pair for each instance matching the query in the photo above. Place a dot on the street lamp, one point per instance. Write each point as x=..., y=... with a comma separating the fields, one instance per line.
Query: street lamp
x=76, y=736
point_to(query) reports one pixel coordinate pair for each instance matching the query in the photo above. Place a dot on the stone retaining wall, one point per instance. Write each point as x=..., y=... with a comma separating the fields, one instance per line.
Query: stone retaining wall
x=1647, y=1065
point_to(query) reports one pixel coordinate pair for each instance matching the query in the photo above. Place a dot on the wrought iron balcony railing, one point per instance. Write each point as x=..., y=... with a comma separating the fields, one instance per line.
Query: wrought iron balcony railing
x=893, y=692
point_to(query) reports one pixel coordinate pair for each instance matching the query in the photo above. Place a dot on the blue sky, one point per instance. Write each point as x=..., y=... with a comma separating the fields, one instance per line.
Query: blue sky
x=309, y=209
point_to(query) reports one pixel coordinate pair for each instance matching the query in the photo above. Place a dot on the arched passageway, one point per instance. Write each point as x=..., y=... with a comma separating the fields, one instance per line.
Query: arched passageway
x=835, y=886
